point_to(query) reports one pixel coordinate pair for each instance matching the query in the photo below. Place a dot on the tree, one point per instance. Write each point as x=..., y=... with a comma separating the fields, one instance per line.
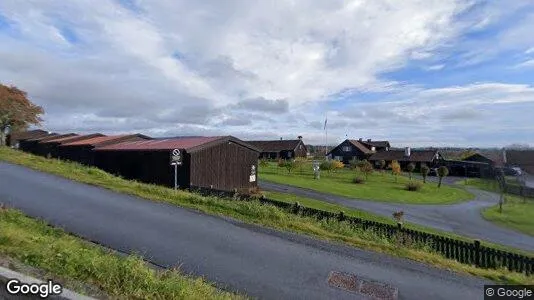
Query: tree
x=263, y=163
x=366, y=168
x=336, y=164
x=290, y=165
x=353, y=163
x=424, y=172
x=382, y=164
x=410, y=167
x=16, y=111
x=442, y=172
x=395, y=169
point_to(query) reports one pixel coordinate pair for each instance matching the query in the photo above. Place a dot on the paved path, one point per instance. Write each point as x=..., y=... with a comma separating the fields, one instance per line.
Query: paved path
x=463, y=218
x=529, y=180
x=257, y=261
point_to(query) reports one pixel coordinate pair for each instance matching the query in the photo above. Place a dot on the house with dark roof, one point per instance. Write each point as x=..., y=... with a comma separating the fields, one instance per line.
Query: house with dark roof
x=430, y=158
x=82, y=150
x=494, y=159
x=357, y=149
x=281, y=149
x=221, y=162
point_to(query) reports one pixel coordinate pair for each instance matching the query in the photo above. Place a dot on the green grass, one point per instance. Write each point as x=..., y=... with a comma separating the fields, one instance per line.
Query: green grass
x=378, y=187
x=69, y=258
x=516, y=214
x=255, y=213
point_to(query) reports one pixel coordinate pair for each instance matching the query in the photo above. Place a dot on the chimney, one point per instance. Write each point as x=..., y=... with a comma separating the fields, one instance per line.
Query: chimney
x=368, y=140
x=300, y=137
x=407, y=152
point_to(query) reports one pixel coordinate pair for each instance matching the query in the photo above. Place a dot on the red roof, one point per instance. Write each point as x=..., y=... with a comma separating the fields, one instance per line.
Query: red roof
x=96, y=140
x=52, y=136
x=161, y=144
x=67, y=139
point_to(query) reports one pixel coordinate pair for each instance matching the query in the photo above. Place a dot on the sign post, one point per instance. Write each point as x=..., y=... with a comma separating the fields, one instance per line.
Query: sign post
x=176, y=160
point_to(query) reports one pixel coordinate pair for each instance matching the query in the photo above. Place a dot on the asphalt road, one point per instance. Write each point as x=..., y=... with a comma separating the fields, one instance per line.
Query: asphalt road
x=259, y=262
x=463, y=218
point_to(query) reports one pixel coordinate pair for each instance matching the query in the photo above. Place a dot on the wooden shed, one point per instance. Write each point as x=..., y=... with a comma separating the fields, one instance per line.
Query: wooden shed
x=82, y=150
x=15, y=138
x=50, y=148
x=222, y=163
x=281, y=149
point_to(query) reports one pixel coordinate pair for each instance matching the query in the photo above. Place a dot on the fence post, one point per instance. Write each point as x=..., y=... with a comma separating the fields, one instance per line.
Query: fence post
x=341, y=216
x=477, y=253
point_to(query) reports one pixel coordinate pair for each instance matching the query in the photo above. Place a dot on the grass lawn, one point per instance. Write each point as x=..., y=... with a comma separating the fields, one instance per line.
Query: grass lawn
x=71, y=260
x=516, y=214
x=255, y=213
x=378, y=187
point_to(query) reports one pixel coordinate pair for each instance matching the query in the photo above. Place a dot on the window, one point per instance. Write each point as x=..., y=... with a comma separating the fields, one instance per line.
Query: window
x=373, y=148
x=346, y=148
x=338, y=158
x=300, y=147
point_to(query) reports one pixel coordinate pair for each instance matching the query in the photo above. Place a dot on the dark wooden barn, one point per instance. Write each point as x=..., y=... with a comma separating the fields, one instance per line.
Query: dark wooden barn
x=523, y=159
x=280, y=149
x=431, y=158
x=50, y=148
x=15, y=138
x=32, y=145
x=466, y=168
x=349, y=150
x=82, y=150
x=222, y=163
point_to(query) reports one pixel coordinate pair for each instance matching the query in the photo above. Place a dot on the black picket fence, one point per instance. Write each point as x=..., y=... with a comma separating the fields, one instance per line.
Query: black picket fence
x=472, y=253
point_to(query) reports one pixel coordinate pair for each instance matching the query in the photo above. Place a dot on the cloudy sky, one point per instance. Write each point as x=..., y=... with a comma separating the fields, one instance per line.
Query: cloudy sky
x=416, y=72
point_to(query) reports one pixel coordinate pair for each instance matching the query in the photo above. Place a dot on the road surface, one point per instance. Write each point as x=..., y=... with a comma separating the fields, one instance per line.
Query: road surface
x=462, y=218
x=256, y=261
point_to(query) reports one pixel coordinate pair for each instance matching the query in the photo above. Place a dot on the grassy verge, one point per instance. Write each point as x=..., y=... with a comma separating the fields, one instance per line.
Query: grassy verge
x=379, y=186
x=317, y=204
x=516, y=213
x=68, y=258
x=254, y=212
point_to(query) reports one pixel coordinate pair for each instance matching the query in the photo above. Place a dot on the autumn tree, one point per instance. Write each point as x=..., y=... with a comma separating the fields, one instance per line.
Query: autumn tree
x=16, y=111
x=366, y=168
x=395, y=169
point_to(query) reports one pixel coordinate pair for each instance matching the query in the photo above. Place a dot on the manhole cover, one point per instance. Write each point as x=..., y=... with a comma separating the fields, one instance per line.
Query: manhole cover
x=352, y=283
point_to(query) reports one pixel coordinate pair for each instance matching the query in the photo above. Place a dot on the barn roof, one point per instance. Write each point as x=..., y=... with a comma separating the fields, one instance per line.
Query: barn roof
x=51, y=136
x=30, y=134
x=398, y=155
x=275, y=145
x=372, y=143
x=184, y=143
x=95, y=141
x=359, y=144
x=69, y=139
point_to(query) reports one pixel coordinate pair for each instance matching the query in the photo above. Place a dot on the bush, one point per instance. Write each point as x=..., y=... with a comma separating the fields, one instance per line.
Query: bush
x=263, y=163
x=358, y=180
x=281, y=163
x=336, y=164
x=414, y=186
x=325, y=166
x=366, y=168
x=353, y=163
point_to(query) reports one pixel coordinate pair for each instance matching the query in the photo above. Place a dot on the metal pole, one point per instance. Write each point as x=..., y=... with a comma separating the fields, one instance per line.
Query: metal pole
x=175, y=176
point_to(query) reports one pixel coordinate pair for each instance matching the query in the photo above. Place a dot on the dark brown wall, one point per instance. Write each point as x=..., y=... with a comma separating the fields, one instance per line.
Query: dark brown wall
x=301, y=150
x=225, y=166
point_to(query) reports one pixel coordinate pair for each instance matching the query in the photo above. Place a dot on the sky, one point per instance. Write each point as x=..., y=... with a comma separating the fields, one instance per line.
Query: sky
x=414, y=72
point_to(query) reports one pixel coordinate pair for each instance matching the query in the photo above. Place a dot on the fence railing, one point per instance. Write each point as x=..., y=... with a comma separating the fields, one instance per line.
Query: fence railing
x=472, y=253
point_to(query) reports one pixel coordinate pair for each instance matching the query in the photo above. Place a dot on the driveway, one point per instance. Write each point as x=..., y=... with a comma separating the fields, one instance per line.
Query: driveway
x=529, y=180
x=463, y=218
x=239, y=257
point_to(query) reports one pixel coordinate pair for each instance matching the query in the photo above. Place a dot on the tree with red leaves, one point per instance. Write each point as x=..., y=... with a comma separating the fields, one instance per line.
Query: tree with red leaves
x=16, y=111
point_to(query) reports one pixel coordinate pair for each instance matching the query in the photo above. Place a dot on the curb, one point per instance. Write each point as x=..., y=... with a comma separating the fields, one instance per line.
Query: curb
x=7, y=274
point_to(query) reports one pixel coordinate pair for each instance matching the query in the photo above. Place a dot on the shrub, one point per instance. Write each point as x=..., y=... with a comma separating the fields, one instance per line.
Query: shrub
x=290, y=165
x=382, y=164
x=281, y=163
x=358, y=180
x=424, y=172
x=263, y=163
x=442, y=172
x=325, y=166
x=410, y=167
x=413, y=186
x=336, y=164
x=395, y=169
